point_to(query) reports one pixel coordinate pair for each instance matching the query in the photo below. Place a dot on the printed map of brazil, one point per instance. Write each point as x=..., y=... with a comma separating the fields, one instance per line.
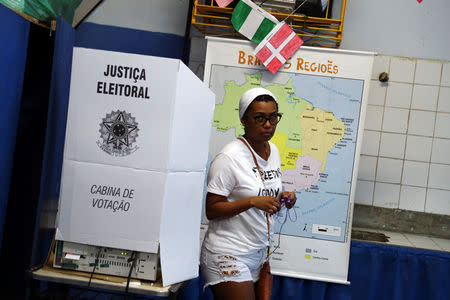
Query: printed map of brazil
x=304, y=138
x=316, y=138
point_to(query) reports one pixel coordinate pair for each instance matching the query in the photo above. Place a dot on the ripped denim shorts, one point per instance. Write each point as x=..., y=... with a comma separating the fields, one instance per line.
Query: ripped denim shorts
x=219, y=267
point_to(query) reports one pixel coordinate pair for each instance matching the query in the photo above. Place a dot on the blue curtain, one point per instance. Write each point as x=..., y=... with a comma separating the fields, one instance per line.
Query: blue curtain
x=388, y=272
x=376, y=272
x=54, y=136
x=13, y=50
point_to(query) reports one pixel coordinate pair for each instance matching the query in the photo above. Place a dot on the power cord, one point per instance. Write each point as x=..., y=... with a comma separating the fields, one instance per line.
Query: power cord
x=95, y=265
x=132, y=259
x=286, y=216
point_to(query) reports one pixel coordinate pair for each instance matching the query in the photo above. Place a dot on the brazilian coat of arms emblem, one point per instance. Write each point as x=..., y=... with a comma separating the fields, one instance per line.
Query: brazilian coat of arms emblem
x=118, y=133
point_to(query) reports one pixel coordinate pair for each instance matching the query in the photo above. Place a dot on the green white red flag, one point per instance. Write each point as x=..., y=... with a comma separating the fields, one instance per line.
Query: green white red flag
x=252, y=21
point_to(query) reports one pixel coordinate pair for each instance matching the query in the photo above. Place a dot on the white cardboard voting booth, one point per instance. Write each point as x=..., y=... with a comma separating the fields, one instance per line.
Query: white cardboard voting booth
x=135, y=154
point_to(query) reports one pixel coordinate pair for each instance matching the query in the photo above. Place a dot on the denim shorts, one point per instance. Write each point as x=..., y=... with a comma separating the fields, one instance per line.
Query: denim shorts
x=217, y=268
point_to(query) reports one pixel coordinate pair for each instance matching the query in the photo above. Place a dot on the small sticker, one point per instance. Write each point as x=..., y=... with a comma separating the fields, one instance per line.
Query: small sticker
x=326, y=230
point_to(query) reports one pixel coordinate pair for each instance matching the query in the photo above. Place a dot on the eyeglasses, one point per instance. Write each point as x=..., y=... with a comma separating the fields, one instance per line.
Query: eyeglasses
x=262, y=119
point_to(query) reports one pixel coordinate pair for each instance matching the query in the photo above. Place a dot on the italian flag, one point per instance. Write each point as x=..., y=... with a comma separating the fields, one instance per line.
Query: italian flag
x=277, y=47
x=252, y=21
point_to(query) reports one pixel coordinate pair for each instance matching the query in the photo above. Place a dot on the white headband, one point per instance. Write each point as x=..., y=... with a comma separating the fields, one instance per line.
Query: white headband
x=250, y=95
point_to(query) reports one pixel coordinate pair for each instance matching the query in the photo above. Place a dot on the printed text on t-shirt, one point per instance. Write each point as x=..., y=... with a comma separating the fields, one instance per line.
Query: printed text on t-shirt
x=269, y=192
x=269, y=174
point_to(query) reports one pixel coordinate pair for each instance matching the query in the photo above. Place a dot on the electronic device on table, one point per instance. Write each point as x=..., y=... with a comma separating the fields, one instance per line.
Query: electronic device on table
x=110, y=261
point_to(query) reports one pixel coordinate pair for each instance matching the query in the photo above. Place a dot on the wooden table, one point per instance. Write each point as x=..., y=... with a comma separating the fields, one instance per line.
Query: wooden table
x=50, y=274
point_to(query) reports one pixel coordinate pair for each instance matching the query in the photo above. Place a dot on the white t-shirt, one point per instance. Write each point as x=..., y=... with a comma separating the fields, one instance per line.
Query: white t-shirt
x=233, y=174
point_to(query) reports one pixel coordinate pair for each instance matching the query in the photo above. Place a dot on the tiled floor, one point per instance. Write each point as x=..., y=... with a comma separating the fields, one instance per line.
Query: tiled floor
x=412, y=240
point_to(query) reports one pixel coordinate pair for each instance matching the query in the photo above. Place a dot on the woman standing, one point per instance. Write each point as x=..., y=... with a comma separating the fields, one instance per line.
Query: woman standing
x=238, y=199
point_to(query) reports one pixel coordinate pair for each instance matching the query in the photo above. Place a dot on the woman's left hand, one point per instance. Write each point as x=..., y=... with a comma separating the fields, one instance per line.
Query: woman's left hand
x=289, y=199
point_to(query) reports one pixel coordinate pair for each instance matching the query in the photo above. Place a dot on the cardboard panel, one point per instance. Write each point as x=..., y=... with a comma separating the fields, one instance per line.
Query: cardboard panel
x=110, y=206
x=194, y=108
x=120, y=109
x=180, y=228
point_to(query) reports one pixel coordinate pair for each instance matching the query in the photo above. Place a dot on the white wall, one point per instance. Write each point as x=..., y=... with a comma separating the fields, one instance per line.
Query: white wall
x=167, y=16
x=405, y=160
x=398, y=27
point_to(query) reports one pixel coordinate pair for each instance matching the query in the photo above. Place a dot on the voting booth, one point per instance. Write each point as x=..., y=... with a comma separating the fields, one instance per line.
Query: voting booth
x=135, y=154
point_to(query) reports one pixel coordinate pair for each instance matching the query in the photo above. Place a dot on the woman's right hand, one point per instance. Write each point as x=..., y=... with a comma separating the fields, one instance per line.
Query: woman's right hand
x=268, y=204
